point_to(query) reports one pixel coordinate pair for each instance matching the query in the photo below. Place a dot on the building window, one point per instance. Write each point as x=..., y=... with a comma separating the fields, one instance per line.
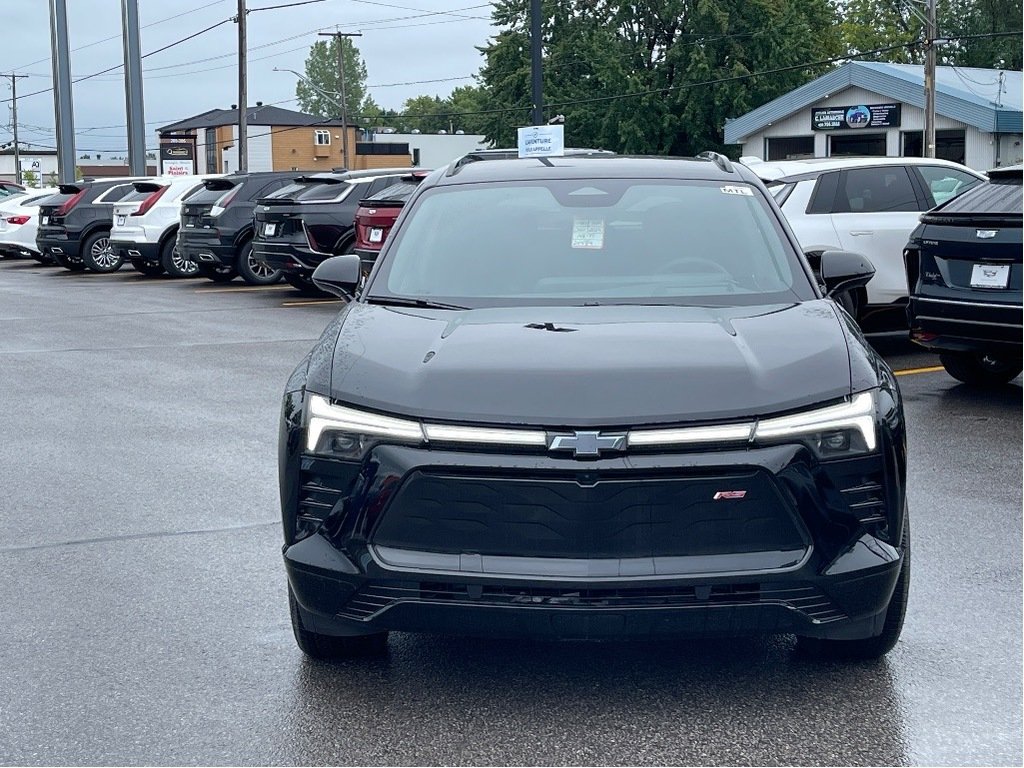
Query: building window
x=321, y=138
x=852, y=144
x=949, y=145
x=211, y=150
x=790, y=147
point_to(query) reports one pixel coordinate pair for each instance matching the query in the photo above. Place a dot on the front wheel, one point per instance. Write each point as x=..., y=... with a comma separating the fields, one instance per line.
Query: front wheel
x=175, y=263
x=981, y=370
x=870, y=647
x=256, y=272
x=99, y=255
x=331, y=647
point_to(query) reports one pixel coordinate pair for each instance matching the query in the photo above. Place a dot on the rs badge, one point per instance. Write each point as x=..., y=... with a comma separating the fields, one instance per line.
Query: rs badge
x=730, y=495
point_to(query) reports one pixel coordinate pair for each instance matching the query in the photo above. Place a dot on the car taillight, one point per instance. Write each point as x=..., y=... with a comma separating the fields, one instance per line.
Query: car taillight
x=149, y=202
x=70, y=203
x=224, y=202
x=310, y=240
x=18, y=219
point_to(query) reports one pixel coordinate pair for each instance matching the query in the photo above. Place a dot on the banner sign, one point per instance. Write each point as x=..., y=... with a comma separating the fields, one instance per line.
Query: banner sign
x=542, y=141
x=857, y=116
x=177, y=158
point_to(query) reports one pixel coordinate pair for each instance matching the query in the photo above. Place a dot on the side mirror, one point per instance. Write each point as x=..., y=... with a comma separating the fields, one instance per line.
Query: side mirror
x=843, y=271
x=339, y=275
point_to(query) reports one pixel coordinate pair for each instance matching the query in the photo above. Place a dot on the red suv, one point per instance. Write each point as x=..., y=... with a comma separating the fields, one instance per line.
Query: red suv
x=377, y=214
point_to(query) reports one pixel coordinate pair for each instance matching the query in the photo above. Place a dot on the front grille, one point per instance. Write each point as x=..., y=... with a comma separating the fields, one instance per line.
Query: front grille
x=374, y=598
x=608, y=517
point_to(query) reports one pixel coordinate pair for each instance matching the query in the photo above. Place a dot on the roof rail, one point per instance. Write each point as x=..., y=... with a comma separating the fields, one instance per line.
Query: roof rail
x=513, y=154
x=718, y=159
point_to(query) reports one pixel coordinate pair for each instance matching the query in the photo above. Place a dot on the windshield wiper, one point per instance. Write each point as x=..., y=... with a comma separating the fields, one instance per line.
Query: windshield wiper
x=398, y=301
x=650, y=304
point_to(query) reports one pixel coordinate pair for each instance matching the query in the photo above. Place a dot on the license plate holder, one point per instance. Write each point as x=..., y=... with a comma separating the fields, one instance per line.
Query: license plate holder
x=121, y=220
x=45, y=220
x=269, y=230
x=990, y=276
x=376, y=235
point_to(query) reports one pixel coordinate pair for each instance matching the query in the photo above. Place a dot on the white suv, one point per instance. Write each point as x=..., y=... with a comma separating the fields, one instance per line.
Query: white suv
x=19, y=220
x=869, y=205
x=145, y=226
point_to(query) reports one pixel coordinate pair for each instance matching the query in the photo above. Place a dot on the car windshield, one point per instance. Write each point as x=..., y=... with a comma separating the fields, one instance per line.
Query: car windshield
x=593, y=241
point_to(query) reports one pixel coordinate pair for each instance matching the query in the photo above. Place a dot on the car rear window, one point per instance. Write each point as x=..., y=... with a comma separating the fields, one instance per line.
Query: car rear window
x=399, y=193
x=207, y=195
x=593, y=241
x=138, y=195
x=321, y=192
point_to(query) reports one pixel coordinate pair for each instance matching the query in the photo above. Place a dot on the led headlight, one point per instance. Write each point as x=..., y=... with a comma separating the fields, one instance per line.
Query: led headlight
x=834, y=431
x=341, y=431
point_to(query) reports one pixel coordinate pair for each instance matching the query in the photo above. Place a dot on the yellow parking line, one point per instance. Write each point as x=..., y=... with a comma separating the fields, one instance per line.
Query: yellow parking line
x=309, y=303
x=243, y=289
x=911, y=371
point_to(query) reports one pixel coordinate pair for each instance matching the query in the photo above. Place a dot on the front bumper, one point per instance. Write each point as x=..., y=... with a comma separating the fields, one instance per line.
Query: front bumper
x=132, y=251
x=570, y=555
x=965, y=326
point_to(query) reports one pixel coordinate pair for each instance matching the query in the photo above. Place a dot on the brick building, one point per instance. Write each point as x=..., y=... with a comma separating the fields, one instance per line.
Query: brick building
x=279, y=140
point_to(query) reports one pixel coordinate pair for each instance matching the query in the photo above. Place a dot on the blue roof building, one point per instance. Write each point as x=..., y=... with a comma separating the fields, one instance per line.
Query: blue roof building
x=875, y=108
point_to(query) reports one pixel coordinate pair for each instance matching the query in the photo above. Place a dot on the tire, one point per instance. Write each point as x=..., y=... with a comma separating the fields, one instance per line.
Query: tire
x=98, y=256
x=255, y=272
x=71, y=263
x=217, y=273
x=331, y=647
x=979, y=369
x=148, y=268
x=870, y=647
x=174, y=263
x=302, y=284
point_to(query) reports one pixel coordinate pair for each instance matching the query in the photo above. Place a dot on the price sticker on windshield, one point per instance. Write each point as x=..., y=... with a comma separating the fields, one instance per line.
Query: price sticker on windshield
x=588, y=233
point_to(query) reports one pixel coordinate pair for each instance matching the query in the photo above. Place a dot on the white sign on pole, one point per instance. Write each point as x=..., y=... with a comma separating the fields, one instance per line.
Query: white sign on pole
x=542, y=141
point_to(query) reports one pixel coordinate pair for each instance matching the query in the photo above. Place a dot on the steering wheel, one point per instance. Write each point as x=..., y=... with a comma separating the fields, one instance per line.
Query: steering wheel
x=695, y=264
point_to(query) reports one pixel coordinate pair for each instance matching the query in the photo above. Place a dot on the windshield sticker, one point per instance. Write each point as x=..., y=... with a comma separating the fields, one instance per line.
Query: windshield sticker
x=588, y=233
x=745, y=191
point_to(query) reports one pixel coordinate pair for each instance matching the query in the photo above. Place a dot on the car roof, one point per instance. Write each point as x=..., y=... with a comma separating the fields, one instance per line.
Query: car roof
x=784, y=169
x=589, y=167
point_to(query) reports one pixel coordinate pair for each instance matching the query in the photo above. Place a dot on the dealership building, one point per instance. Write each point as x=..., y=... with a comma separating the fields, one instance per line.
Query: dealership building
x=875, y=108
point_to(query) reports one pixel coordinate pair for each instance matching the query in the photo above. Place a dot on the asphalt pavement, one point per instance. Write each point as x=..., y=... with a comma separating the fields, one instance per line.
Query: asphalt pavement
x=143, y=613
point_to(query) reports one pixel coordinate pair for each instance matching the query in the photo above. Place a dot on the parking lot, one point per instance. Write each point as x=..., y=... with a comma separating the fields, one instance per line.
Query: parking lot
x=145, y=617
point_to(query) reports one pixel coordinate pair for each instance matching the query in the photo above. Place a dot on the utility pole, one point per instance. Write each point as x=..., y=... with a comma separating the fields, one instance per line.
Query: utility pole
x=133, y=88
x=63, y=110
x=341, y=87
x=929, y=81
x=243, y=92
x=13, y=92
x=535, y=62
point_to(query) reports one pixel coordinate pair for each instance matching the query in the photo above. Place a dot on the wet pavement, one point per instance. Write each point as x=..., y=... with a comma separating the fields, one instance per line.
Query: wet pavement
x=144, y=617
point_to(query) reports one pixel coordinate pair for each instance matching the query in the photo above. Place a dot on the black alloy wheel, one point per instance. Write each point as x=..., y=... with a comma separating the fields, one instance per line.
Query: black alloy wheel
x=71, y=263
x=979, y=369
x=99, y=255
x=174, y=263
x=254, y=271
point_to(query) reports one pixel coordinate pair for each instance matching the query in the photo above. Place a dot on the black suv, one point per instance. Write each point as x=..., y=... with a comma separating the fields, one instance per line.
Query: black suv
x=964, y=272
x=593, y=397
x=76, y=221
x=216, y=226
x=312, y=219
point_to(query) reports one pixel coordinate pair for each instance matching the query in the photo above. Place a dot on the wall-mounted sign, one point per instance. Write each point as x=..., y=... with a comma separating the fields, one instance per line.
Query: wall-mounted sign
x=856, y=116
x=177, y=158
x=542, y=141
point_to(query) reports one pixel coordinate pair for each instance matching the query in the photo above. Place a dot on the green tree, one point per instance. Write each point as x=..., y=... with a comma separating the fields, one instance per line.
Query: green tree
x=652, y=76
x=464, y=105
x=322, y=70
x=870, y=24
x=428, y=114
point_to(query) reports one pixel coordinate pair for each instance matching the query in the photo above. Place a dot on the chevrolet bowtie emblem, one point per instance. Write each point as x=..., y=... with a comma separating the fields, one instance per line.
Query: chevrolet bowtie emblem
x=588, y=444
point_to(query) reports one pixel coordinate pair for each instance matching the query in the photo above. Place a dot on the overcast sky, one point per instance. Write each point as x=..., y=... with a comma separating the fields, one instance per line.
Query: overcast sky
x=398, y=46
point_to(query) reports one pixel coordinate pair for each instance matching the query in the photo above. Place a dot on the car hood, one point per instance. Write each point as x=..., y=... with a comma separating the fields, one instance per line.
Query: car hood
x=590, y=366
